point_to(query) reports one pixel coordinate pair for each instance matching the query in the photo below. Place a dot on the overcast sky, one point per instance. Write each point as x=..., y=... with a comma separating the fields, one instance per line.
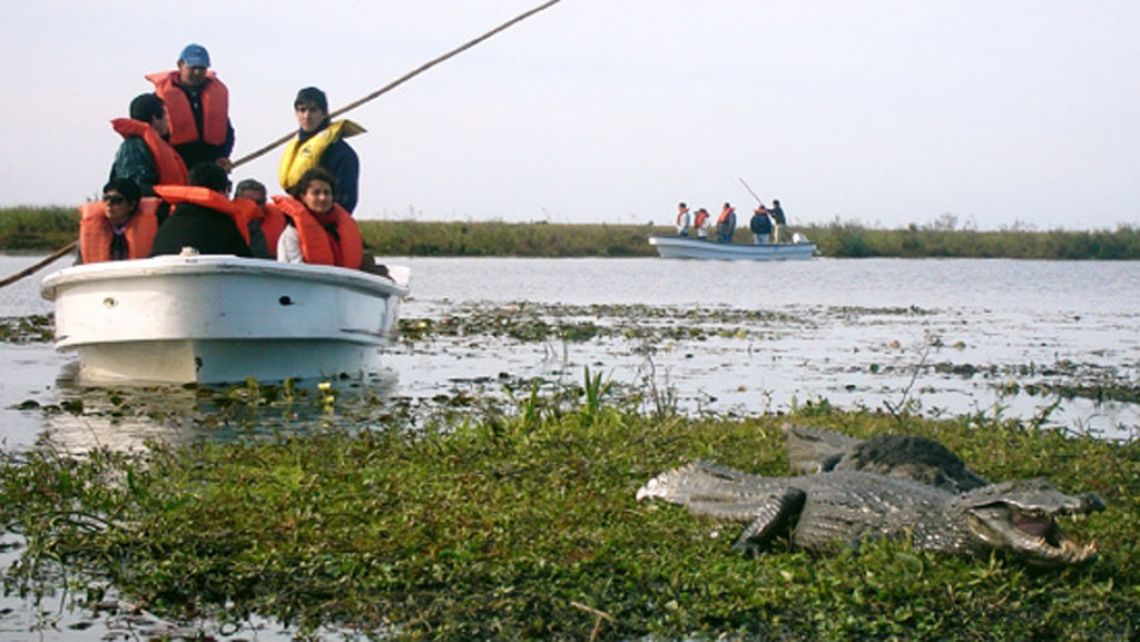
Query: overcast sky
x=889, y=112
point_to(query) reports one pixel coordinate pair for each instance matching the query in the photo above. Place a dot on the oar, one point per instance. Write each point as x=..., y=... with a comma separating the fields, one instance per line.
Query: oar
x=353, y=105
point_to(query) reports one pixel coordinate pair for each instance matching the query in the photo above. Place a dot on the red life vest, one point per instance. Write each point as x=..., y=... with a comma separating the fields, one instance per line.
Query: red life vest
x=724, y=215
x=183, y=127
x=316, y=242
x=680, y=214
x=208, y=198
x=272, y=221
x=700, y=218
x=95, y=232
x=171, y=169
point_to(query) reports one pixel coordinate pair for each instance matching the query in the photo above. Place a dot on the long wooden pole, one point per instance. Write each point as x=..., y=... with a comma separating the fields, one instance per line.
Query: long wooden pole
x=353, y=105
x=402, y=79
x=758, y=201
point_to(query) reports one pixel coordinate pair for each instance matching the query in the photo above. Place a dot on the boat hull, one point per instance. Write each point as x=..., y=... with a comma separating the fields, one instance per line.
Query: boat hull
x=679, y=247
x=218, y=319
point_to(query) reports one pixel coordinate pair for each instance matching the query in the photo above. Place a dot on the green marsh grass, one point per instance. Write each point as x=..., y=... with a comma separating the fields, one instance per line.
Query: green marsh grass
x=525, y=526
x=49, y=228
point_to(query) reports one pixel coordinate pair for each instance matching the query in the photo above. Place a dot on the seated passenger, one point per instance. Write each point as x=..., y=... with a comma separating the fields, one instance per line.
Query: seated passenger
x=145, y=156
x=726, y=224
x=761, y=226
x=266, y=221
x=203, y=218
x=121, y=226
x=318, y=230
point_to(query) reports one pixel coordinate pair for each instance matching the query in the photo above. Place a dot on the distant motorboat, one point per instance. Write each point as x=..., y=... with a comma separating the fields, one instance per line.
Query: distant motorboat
x=219, y=319
x=683, y=247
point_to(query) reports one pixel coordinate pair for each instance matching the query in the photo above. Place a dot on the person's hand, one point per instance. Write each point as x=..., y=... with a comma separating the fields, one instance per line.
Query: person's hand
x=225, y=164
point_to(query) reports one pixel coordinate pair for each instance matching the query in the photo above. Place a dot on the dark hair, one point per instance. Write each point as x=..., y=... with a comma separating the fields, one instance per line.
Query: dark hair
x=250, y=183
x=312, y=95
x=315, y=174
x=146, y=107
x=209, y=175
x=125, y=186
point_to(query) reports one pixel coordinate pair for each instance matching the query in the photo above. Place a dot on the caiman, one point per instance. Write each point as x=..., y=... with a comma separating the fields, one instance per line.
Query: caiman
x=921, y=459
x=830, y=510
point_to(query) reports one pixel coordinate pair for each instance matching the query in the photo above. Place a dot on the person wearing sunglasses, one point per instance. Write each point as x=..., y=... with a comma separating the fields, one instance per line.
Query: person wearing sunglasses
x=122, y=225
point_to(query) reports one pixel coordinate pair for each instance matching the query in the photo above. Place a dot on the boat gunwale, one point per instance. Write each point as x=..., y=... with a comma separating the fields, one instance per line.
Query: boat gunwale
x=177, y=266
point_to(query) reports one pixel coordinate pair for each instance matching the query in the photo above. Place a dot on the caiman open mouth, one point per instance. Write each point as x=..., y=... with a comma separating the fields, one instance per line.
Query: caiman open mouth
x=1033, y=535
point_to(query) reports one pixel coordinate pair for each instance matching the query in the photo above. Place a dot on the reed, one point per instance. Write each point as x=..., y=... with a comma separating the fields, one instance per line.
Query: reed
x=47, y=228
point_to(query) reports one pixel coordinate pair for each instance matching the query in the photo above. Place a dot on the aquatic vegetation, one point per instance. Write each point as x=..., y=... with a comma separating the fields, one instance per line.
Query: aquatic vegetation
x=29, y=329
x=523, y=524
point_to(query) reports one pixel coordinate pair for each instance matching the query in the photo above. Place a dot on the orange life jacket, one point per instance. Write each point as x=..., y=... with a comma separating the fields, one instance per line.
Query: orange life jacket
x=171, y=169
x=208, y=198
x=701, y=216
x=724, y=215
x=183, y=127
x=316, y=242
x=271, y=217
x=95, y=232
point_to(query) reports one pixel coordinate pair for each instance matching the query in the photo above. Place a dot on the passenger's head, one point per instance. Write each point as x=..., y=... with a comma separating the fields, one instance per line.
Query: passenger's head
x=316, y=189
x=121, y=196
x=682, y=206
x=775, y=202
x=209, y=175
x=252, y=189
x=192, y=65
x=149, y=109
x=312, y=108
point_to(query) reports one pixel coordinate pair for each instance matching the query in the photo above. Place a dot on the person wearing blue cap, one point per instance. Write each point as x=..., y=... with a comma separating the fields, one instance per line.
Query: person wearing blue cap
x=197, y=104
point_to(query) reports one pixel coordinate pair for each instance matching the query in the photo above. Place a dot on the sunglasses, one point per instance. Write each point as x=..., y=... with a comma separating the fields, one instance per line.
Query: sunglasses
x=114, y=199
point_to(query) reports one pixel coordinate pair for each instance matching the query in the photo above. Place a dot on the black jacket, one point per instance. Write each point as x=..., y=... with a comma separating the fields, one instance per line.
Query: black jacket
x=207, y=230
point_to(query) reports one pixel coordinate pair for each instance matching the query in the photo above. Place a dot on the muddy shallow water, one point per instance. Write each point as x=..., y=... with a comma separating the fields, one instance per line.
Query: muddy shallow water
x=1028, y=339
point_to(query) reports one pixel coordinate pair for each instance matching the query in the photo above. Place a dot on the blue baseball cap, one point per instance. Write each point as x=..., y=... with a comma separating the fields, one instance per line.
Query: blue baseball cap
x=195, y=56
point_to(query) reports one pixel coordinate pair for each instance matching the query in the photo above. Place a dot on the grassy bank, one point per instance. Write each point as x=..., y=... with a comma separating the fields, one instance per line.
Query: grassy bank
x=525, y=526
x=49, y=228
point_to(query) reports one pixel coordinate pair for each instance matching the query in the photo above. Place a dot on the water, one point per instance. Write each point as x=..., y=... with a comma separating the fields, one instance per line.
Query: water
x=946, y=336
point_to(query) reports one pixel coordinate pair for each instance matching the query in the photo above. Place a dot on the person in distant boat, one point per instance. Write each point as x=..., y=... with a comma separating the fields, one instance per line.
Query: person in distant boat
x=684, y=219
x=203, y=217
x=726, y=224
x=197, y=103
x=781, y=224
x=120, y=226
x=321, y=143
x=145, y=156
x=700, y=222
x=266, y=221
x=761, y=226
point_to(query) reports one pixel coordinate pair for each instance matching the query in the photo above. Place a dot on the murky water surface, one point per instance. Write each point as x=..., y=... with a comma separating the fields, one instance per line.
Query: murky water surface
x=940, y=336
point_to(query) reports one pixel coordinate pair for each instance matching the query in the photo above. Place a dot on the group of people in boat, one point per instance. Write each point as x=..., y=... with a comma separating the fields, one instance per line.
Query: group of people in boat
x=768, y=225
x=169, y=184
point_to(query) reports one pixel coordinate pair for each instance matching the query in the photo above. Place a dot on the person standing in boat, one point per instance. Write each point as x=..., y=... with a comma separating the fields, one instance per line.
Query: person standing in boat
x=700, y=222
x=266, y=221
x=145, y=156
x=781, y=226
x=761, y=226
x=203, y=217
x=197, y=104
x=120, y=226
x=684, y=219
x=321, y=143
x=726, y=224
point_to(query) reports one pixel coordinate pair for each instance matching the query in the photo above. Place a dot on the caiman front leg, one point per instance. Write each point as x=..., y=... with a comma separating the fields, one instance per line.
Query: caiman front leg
x=773, y=517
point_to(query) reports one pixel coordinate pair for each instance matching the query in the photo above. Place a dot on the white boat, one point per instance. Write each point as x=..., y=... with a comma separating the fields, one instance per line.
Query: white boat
x=218, y=319
x=682, y=247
